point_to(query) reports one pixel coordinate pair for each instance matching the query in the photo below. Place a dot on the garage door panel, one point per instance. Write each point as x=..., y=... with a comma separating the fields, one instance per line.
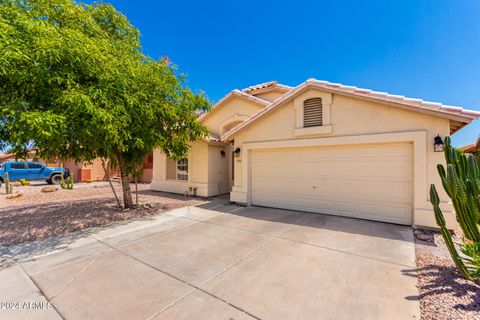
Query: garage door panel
x=367, y=181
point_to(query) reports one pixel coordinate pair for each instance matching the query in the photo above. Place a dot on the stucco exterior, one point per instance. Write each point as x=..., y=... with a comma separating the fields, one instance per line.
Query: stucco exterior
x=208, y=172
x=348, y=119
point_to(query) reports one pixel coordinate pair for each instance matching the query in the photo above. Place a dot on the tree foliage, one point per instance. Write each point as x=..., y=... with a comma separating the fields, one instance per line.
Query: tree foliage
x=75, y=83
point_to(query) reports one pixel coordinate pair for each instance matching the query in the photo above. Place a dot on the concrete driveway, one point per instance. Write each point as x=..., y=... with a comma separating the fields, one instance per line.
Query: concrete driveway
x=220, y=261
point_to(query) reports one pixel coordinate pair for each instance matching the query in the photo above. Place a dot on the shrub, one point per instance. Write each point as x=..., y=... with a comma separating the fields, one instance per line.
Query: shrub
x=461, y=182
x=67, y=183
x=24, y=182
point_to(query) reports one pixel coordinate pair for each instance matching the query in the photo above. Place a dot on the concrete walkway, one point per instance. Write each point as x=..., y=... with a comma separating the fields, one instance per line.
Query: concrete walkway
x=220, y=261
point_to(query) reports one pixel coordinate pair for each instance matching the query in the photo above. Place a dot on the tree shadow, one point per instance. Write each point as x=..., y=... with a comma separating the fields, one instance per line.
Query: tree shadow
x=36, y=229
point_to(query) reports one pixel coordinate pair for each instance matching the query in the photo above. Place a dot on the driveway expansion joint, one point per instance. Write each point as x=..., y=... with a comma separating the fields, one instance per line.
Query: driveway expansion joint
x=194, y=287
x=348, y=253
x=30, y=279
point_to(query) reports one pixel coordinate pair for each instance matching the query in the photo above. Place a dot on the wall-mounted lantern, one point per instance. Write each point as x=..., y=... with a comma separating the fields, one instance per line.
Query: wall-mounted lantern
x=222, y=153
x=438, y=145
x=236, y=153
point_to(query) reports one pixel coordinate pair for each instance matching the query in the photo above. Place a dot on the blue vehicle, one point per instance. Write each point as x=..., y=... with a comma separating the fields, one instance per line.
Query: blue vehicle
x=31, y=171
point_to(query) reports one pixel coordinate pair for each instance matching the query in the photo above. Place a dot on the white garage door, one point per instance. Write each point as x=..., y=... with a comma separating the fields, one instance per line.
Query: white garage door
x=373, y=181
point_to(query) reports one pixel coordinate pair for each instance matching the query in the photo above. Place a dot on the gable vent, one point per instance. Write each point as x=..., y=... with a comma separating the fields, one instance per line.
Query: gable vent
x=312, y=112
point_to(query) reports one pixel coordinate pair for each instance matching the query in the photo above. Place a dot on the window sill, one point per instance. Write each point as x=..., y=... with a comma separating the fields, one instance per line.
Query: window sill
x=312, y=131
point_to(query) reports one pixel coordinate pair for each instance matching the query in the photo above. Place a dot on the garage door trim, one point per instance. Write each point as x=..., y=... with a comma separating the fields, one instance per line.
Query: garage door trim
x=418, y=138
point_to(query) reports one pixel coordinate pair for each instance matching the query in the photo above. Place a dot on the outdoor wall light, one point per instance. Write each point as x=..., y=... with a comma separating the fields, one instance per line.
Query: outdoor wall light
x=236, y=153
x=438, y=145
x=222, y=153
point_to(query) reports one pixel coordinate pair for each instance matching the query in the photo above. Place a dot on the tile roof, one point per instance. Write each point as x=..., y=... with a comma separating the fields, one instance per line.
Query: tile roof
x=385, y=96
x=472, y=147
x=264, y=85
x=236, y=93
x=412, y=103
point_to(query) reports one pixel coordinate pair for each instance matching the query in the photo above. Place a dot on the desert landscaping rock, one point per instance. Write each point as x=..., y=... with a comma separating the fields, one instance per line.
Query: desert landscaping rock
x=38, y=215
x=49, y=189
x=423, y=235
x=444, y=294
x=13, y=196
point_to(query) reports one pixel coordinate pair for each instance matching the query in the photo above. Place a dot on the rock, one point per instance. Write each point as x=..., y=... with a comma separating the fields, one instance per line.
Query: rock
x=420, y=235
x=49, y=189
x=17, y=184
x=14, y=195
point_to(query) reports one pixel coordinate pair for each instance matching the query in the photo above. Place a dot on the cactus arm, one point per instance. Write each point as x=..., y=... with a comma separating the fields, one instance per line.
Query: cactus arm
x=447, y=237
x=8, y=184
x=443, y=177
x=447, y=149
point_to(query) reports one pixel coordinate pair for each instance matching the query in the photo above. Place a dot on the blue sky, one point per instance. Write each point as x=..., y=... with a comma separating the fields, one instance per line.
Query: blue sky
x=421, y=49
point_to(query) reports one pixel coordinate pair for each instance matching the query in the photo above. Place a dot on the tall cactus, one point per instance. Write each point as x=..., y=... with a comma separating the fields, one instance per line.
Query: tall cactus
x=461, y=182
x=8, y=184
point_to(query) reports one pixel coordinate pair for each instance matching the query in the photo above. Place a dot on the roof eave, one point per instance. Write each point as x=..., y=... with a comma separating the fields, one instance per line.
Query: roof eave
x=233, y=93
x=436, y=110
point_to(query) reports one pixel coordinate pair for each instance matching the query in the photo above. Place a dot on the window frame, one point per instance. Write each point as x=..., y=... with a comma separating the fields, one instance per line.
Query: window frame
x=298, y=105
x=35, y=164
x=14, y=164
x=179, y=172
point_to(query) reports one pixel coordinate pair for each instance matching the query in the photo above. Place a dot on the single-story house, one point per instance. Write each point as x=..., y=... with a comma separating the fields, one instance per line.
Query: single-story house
x=472, y=148
x=32, y=156
x=94, y=171
x=319, y=147
x=82, y=172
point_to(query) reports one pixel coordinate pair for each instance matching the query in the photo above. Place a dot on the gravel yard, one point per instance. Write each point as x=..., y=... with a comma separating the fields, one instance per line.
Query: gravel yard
x=444, y=293
x=36, y=215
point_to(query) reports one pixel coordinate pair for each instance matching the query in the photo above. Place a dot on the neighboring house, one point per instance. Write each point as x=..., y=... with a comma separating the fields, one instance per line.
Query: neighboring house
x=83, y=171
x=32, y=156
x=319, y=147
x=472, y=148
x=94, y=171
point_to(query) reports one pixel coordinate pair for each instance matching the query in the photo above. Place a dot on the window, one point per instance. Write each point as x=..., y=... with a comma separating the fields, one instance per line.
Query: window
x=312, y=112
x=17, y=165
x=34, y=166
x=182, y=169
x=148, y=162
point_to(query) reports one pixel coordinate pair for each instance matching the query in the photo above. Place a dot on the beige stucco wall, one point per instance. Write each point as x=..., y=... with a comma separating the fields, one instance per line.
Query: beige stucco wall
x=218, y=172
x=208, y=172
x=270, y=95
x=351, y=117
x=232, y=110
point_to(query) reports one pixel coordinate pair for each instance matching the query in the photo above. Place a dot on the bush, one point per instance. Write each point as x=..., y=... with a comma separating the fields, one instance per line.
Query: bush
x=67, y=183
x=461, y=182
x=24, y=182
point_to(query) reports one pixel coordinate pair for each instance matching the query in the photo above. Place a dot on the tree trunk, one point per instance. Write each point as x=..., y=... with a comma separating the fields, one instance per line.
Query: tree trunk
x=127, y=194
x=110, y=182
x=136, y=192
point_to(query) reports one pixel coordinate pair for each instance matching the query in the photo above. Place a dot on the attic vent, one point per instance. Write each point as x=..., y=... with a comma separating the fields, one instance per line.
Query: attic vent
x=312, y=112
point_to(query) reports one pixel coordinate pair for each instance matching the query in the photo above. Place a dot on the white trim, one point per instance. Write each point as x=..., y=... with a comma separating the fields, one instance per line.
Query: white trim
x=235, y=118
x=312, y=131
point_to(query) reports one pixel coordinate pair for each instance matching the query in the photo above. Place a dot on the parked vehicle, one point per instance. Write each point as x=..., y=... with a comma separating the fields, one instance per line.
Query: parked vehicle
x=31, y=171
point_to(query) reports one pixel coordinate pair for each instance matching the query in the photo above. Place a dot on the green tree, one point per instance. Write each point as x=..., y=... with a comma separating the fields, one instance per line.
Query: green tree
x=75, y=84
